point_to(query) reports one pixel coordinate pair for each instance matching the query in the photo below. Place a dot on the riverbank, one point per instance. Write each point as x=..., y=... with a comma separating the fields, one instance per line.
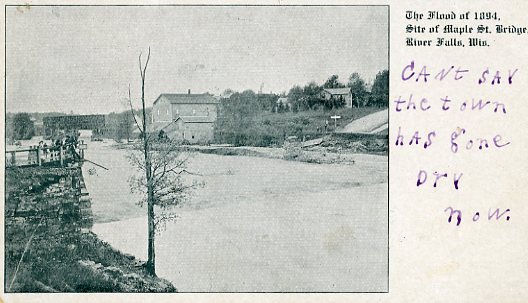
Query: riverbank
x=86, y=265
x=49, y=247
x=328, y=150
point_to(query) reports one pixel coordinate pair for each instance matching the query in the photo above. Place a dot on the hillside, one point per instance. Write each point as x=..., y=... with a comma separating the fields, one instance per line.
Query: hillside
x=371, y=124
x=271, y=129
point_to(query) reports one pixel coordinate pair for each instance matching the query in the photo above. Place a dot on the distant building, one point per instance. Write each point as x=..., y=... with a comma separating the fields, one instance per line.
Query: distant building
x=285, y=103
x=342, y=94
x=188, y=116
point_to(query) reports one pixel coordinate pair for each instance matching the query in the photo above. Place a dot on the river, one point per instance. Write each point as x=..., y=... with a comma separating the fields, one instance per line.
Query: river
x=257, y=225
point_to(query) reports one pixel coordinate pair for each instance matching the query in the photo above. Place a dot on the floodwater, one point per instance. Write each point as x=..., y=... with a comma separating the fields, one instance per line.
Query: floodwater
x=257, y=225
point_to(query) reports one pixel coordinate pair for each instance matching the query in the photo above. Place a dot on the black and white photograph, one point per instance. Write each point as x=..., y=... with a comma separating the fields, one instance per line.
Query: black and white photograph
x=196, y=149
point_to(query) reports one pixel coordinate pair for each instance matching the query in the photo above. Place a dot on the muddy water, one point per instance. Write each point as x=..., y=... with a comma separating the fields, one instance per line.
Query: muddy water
x=257, y=225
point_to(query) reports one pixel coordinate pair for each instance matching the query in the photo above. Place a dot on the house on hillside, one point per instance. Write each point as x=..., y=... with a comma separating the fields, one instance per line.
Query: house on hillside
x=188, y=116
x=342, y=94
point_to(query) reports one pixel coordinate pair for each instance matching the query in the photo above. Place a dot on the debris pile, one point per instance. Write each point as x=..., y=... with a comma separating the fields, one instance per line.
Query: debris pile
x=367, y=145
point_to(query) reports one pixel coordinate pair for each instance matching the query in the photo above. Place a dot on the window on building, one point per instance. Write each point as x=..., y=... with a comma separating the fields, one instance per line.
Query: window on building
x=192, y=136
x=158, y=111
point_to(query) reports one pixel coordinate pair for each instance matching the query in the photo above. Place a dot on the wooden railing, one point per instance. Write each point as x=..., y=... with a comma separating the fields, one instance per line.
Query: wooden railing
x=50, y=156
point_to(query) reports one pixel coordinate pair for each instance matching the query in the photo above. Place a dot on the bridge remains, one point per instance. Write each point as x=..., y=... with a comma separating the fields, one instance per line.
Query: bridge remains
x=70, y=124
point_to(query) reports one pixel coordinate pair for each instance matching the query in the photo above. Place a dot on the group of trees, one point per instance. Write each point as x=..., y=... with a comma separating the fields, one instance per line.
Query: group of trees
x=305, y=98
x=20, y=127
x=120, y=126
x=239, y=110
x=309, y=96
x=380, y=89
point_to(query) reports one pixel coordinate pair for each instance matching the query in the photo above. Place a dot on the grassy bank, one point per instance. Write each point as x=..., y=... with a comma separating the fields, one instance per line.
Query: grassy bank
x=271, y=129
x=86, y=265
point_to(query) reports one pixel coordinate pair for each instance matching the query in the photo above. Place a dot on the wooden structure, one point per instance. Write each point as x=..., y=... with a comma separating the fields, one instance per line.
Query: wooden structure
x=72, y=123
x=45, y=156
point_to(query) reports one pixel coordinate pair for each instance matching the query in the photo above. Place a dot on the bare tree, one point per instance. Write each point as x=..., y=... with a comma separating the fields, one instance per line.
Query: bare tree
x=161, y=167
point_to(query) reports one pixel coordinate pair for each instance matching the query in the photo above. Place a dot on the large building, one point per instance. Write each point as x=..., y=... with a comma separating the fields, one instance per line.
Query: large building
x=188, y=116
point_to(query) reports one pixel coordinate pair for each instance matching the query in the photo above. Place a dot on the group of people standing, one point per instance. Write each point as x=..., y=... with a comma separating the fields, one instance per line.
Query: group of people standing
x=70, y=143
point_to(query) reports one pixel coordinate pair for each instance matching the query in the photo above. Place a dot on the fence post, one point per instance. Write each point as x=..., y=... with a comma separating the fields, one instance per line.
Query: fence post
x=30, y=155
x=61, y=158
x=38, y=156
x=13, y=158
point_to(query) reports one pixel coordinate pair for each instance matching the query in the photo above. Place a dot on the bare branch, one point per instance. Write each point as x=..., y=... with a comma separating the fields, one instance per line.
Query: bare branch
x=183, y=171
x=190, y=173
x=173, y=191
x=140, y=66
x=139, y=163
x=132, y=109
x=146, y=63
x=181, y=163
x=143, y=71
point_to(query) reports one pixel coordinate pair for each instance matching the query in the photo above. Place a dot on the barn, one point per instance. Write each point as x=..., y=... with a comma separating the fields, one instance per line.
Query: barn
x=189, y=117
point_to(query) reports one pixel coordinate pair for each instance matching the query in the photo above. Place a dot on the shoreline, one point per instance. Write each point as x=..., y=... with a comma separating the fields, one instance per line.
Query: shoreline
x=316, y=155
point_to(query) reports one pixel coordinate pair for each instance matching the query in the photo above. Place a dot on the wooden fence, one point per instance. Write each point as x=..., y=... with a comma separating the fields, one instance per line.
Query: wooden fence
x=45, y=156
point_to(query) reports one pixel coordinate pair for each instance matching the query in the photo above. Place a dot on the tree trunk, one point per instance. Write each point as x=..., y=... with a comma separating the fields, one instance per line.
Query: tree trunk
x=128, y=127
x=151, y=263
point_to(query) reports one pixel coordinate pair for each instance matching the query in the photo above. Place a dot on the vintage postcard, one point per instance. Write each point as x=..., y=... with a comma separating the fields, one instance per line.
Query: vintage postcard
x=187, y=151
x=197, y=148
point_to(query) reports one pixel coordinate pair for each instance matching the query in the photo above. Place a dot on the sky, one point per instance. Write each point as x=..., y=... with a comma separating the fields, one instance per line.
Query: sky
x=82, y=59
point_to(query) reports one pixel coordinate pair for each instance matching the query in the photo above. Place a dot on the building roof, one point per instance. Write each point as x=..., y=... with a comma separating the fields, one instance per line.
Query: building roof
x=338, y=91
x=188, y=98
